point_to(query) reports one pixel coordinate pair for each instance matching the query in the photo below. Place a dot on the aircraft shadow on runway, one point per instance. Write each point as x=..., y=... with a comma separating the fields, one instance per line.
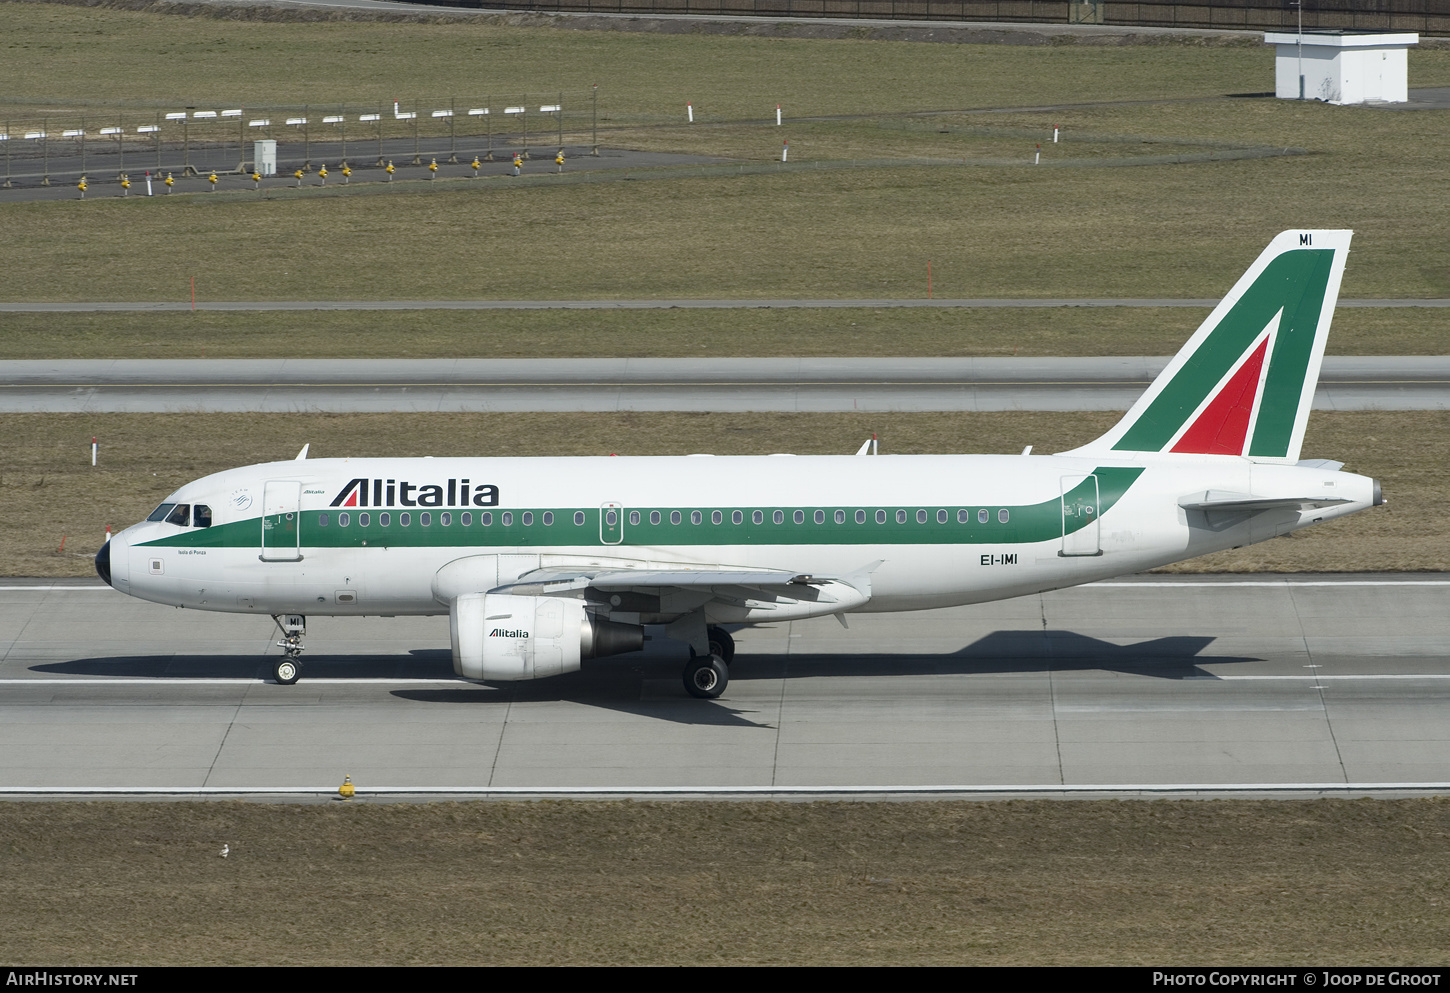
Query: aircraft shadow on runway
x=650, y=685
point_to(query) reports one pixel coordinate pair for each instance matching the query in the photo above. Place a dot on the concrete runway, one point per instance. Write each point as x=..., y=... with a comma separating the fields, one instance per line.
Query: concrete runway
x=1167, y=684
x=719, y=385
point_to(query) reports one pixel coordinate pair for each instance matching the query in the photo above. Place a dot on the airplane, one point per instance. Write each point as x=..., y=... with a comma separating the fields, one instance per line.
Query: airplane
x=542, y=564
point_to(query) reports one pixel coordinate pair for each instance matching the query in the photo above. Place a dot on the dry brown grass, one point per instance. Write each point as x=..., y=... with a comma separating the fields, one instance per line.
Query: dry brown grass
x=679, y=332
x=49, y=489
x=1326, y=882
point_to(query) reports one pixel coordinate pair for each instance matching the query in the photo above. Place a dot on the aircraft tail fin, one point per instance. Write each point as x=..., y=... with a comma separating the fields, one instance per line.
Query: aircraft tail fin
x=1244, y=383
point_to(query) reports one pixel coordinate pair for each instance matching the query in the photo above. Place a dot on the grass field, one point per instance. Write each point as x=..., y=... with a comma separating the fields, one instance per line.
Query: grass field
x=49, y=489
x=59, y=55
x=753, y=332
x=1056, y=882
x=1171, y=230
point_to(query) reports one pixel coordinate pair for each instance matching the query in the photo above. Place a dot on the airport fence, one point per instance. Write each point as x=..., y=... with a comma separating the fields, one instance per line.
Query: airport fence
x=1424, y=16
x=196, y=140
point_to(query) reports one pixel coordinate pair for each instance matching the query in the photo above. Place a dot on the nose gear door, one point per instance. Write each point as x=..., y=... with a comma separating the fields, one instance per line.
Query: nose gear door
x=282, y=521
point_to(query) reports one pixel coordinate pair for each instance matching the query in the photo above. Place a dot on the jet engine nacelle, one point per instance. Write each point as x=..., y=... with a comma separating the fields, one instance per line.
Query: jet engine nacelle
x=498, y=636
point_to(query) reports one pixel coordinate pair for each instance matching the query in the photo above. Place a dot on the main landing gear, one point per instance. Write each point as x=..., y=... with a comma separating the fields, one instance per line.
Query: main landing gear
x=289, y=667
x=706, y=676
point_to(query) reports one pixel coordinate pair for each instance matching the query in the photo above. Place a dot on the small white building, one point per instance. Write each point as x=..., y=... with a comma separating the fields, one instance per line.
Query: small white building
x=264, y=157
x=1342, y=67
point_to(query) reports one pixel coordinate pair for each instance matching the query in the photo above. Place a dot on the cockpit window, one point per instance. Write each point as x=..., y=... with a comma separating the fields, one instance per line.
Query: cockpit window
x=159, y=514
x=201, y=516
x=180, y=514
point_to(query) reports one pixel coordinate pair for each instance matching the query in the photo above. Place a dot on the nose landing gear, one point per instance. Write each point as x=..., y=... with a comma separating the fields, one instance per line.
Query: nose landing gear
x=289, y=667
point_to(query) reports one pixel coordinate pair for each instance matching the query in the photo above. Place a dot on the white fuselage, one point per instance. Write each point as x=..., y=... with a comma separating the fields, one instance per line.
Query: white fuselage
x=931, y=531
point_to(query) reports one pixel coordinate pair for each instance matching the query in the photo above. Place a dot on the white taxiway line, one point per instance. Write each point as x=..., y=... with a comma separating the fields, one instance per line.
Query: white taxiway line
x=418, y=681
x=745, y=791
x=1085, y=586
x=227, y=681
x=1276, y=582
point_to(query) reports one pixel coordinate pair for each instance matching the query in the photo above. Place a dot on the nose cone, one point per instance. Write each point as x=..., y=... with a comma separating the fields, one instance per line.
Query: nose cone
x=103, y=563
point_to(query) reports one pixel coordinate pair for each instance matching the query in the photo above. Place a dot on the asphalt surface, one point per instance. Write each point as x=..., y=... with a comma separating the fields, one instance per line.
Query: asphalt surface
x=738, y=384
x=1174, y=684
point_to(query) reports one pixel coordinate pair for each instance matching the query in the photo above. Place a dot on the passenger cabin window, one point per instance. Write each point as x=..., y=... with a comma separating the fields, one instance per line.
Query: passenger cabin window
x=201, y=516
x=1004, y=516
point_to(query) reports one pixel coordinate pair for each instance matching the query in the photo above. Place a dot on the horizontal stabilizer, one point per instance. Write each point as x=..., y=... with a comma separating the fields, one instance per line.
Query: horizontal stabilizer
x=1224, y=500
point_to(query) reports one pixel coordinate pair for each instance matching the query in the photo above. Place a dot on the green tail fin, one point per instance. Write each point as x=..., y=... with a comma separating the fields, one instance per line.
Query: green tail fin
x=1244, y=383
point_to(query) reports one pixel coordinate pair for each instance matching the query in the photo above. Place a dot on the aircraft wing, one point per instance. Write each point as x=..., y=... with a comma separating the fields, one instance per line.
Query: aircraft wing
x=748, y=593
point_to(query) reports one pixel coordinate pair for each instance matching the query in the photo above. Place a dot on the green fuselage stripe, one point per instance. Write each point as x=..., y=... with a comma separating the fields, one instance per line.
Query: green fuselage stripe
x=1043, y=521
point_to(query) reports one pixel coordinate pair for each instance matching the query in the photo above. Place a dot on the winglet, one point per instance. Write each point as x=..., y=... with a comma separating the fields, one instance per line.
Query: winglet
x=1244, y=383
